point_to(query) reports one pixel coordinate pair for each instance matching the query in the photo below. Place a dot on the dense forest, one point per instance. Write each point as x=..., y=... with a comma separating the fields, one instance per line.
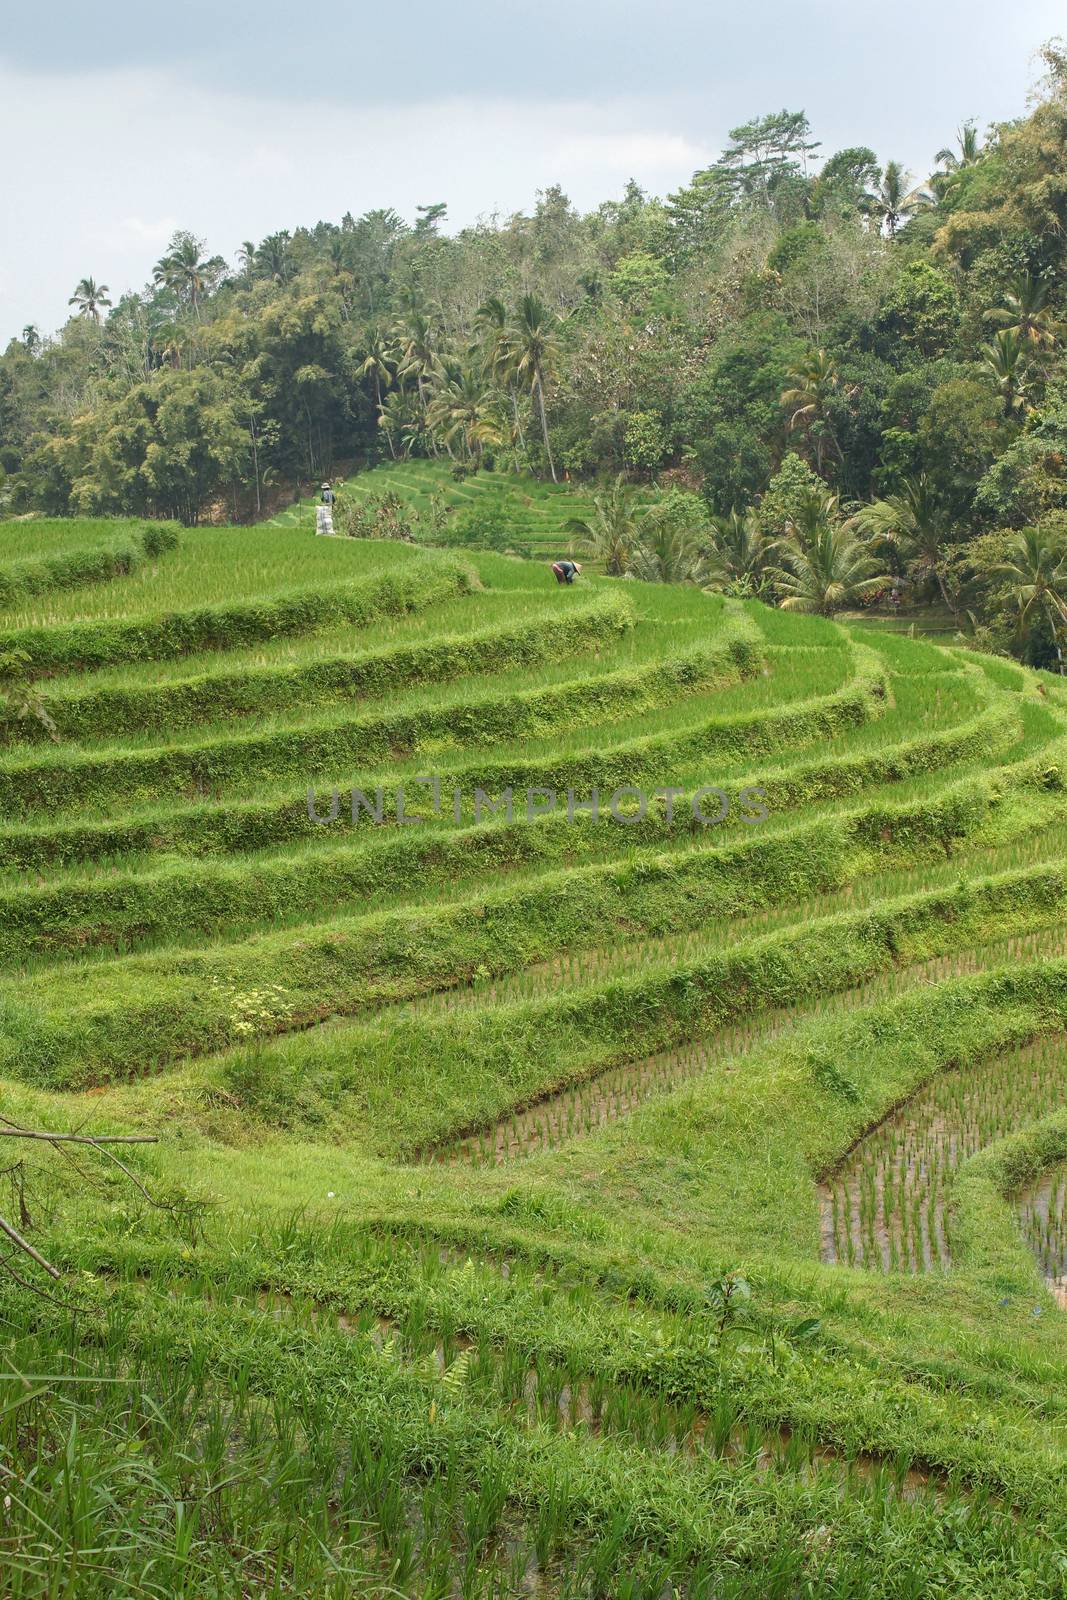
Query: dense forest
x=842, y=378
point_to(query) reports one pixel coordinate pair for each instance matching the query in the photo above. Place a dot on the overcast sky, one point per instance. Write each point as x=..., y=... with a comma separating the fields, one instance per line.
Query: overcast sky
x=120, y=122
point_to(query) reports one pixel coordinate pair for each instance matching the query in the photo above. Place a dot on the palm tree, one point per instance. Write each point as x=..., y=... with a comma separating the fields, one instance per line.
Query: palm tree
x=1026, y=312
x=811, y=385
x=1037, y=573
x=667, y=553
x=417, y=353
x=1008, y=363
x=894, y=200
x=464, y=409
x=400, y=420
x=247, y=257
x=89, y=296
x=498, y=354
x=952, y=163
x=31, y=337
x=739, y=558
x=831, y=570
x=184, y=272
x=273, y=258
x=536, y=346
x=610, y=535
x=913, y=523
x=377, y=365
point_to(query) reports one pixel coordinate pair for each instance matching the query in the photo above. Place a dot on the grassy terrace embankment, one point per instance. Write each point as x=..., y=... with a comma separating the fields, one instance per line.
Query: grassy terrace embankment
x=466, y=1123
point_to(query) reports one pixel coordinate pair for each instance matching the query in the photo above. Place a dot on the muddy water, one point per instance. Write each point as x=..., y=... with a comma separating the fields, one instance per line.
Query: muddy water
x=886, y=1205
x=1042, y=1212
x=582, y=1109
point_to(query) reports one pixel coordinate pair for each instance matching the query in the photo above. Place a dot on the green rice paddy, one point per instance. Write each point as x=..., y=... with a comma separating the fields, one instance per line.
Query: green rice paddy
x=595, y=1207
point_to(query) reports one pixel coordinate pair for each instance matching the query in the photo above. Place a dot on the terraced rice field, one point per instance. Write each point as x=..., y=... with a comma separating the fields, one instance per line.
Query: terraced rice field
x=536, y=514
x=588, y=1196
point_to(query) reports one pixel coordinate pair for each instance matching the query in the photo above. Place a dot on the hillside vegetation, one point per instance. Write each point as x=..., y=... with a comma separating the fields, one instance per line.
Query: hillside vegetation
x=651, y=1201
x=806, y=375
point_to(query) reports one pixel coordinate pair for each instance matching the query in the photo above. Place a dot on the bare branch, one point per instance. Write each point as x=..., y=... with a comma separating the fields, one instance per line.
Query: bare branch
x=79, y=1138
x=24, y=1244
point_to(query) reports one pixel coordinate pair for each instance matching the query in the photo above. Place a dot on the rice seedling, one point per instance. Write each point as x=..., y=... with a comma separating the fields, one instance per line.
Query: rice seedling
x=886, y=1206
x=480, y=1116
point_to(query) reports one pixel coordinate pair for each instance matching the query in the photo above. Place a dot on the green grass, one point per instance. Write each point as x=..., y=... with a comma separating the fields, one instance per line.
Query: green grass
x=468, y=1129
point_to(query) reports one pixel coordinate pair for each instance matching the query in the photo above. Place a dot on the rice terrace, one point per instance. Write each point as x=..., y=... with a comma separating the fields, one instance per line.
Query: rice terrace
x=533, y=818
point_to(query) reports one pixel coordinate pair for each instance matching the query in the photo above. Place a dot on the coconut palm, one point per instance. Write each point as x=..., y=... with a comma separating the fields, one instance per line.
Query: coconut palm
x=911, y=522
x=812, y=383
x=894, y=200
x=31, y=337
x=498, y=354
x=418, y=353
x=611, y=534
x=1007, y=361
x=952, y=162
x=1026, y=311
x=89, y=297
x=401, y=422
x=273, y=258
x=830, y=571
x=1037, y=573
x=969, y=146
x=463, y=408
x=739, y=559
x=247, y=257
x=377, y=365
x=535, y=341
x=184, y=272
x=667, y=553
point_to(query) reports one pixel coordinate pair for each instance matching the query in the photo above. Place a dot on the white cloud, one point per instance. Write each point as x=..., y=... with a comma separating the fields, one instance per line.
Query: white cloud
x=153, y=233
x=642, y=154
x=122, y=159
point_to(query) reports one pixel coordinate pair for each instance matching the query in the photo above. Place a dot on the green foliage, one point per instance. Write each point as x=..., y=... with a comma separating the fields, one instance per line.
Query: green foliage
x=923, y=310
x=646, y=440
x=787, y=493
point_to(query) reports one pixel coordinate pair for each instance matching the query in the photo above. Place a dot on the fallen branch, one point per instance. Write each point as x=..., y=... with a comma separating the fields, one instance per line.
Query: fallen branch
x=24, y=1244
x=79, y=1138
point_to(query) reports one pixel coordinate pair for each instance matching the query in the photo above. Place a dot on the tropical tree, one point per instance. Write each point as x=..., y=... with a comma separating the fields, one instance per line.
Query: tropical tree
x=911, y=522
x=951, y=162
x=1007, y=361
x=667, y=553
x=812, y=383
x=498, y=349
x=611, y=534
x=894, y=200
x=31, y=337
x=828, y=570
x=463, y=408
x=89, y=297
x=377, y=365
x=740, y=557
x=1036, y=571
x=418, y=354
x=401, y=421
x=536, y=345
x=247, y=258
x=274, y=257
x=1026, y=312
x=185, y=272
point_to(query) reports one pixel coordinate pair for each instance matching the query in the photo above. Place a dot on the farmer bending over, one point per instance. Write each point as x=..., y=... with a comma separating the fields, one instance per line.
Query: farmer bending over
x=566, y=570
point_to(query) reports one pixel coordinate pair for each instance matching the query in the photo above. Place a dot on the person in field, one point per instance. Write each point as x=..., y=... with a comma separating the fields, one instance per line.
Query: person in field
x=327, y=496
x=566, y=571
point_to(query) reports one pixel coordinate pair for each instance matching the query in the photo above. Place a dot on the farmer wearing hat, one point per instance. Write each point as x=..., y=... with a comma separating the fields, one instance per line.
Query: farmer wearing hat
x=566, y=570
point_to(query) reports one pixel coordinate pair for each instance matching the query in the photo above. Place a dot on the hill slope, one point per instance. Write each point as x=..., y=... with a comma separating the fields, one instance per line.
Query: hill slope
x=536, y=1223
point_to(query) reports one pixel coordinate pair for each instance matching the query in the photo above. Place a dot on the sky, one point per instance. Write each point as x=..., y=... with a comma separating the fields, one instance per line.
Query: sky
x=122, y=122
